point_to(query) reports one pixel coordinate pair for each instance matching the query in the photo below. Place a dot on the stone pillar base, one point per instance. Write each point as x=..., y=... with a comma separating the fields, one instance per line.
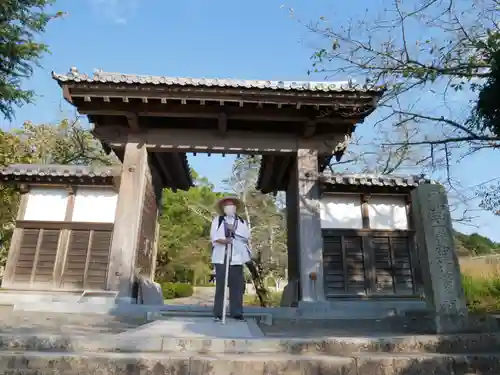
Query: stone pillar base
x=450, y=324
x=290, y=296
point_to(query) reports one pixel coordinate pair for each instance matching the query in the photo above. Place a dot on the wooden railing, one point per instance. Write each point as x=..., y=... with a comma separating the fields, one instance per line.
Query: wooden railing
x=369, y=263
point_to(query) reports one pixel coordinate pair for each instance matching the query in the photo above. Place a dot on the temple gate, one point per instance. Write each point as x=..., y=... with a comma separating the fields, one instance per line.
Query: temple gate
x=151, y=122
x=368, y=252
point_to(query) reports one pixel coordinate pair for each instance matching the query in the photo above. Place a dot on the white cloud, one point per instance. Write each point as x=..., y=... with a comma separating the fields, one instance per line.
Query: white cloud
x=117, y=11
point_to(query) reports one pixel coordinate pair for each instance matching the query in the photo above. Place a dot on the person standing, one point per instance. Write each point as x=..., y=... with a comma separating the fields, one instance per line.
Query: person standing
x=230, y=236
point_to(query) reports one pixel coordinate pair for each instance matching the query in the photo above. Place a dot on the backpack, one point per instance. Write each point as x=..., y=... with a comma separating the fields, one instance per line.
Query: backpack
x=221, y=220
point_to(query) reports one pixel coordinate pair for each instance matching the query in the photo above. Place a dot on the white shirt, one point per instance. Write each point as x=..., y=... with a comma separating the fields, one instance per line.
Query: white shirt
x=241, y=251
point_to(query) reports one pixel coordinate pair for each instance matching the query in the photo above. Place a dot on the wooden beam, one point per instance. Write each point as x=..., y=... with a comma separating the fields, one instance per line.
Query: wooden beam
x=163, y=168
x=184, y=180
x=222, y=123
x=287, y=162
x=266, y=172
x=133, y=122
x=309, y=129
x=189, y=140
x=15, y=242
x=129, y=210
x=64, y=236
x=247, y=113
x=310, y=239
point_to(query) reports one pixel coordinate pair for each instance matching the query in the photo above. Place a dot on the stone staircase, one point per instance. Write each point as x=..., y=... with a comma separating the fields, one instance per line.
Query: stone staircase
x=112, y=346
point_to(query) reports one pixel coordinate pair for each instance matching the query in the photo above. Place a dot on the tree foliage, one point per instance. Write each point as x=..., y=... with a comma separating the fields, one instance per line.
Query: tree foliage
x=184, y=246
x=21, y=22
x=475, y=245
x=437, y=61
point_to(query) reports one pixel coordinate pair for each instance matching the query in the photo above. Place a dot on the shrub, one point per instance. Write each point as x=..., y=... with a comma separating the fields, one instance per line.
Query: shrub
x=168, y=289
x=176, y=290
x=482, y=294
x=183, y=290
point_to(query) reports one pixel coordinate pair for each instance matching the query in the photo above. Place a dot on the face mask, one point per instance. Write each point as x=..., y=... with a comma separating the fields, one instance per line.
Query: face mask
x=230, y=210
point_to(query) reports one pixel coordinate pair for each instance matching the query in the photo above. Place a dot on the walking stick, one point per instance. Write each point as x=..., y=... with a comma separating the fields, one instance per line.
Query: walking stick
x=229, y=257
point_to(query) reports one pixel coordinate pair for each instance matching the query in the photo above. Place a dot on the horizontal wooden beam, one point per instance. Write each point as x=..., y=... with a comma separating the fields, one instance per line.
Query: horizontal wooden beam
x=233, y=142
x=366, y=233
x=71, y=225
x=252, y=113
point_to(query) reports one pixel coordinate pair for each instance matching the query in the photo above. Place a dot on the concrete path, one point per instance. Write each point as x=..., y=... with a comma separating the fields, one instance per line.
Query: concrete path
x=184, y=327
x=202, y=296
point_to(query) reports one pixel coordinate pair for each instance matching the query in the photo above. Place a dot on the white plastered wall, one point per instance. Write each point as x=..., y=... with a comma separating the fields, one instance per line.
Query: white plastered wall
x=343, y=211
x=46, y=204
x=96, y=205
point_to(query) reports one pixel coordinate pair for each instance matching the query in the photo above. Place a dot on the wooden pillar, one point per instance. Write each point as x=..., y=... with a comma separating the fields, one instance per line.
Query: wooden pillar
x=310, y=238
x=292, y=210
x=128, y=219
x=368, y=251
x=15, y=241
x=64, y=236
x=158, y=191
x=154, y=248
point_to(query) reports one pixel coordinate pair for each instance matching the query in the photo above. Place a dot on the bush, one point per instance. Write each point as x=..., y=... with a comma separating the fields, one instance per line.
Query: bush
x=482, y=294
x=183, y=290
x=176, y=290
x=168, y=290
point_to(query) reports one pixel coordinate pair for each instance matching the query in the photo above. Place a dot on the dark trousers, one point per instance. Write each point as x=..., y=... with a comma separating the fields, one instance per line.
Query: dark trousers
x=236, y=283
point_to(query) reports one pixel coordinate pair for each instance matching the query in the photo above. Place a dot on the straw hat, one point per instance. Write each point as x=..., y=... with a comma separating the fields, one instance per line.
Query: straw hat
x=220, y=203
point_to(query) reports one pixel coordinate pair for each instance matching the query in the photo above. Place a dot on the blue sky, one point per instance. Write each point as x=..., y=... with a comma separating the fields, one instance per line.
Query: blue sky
x=232, y=39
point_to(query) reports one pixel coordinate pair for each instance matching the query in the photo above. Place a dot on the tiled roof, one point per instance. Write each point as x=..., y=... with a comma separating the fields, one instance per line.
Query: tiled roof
x=373, y=180
x=54, y=170
x=119, y=78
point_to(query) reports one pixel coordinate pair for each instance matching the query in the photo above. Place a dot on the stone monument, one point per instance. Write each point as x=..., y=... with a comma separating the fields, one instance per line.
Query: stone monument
x=438, y=260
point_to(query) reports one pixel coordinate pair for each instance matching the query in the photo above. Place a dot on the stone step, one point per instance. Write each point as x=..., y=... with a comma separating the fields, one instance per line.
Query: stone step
x=261, y=317
x=330, y=346
x=45, y=363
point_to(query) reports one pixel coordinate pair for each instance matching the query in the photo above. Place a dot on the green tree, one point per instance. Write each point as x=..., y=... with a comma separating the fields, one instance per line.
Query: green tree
x=67, y=142
x=184, y=245
x=21, y=23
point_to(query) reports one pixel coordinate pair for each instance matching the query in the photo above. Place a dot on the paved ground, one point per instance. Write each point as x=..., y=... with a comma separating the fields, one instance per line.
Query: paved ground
x=202, y=296
x=58, y=323
x=201, y=327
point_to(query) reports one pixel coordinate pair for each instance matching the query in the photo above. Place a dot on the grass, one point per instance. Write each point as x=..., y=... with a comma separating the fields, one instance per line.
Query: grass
x=481, y=282
x=252, y=300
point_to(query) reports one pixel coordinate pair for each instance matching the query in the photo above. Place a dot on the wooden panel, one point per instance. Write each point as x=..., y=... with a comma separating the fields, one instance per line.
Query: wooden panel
x=343, y=265
x=333, y=266
x=354, y=256
x=76, y=259
x=373, y=265
x=393, y=268
x=46, y=257
x=26, y=258
x=98, y=260
x=383, y=265
x=402, y=267
x=87, y=259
